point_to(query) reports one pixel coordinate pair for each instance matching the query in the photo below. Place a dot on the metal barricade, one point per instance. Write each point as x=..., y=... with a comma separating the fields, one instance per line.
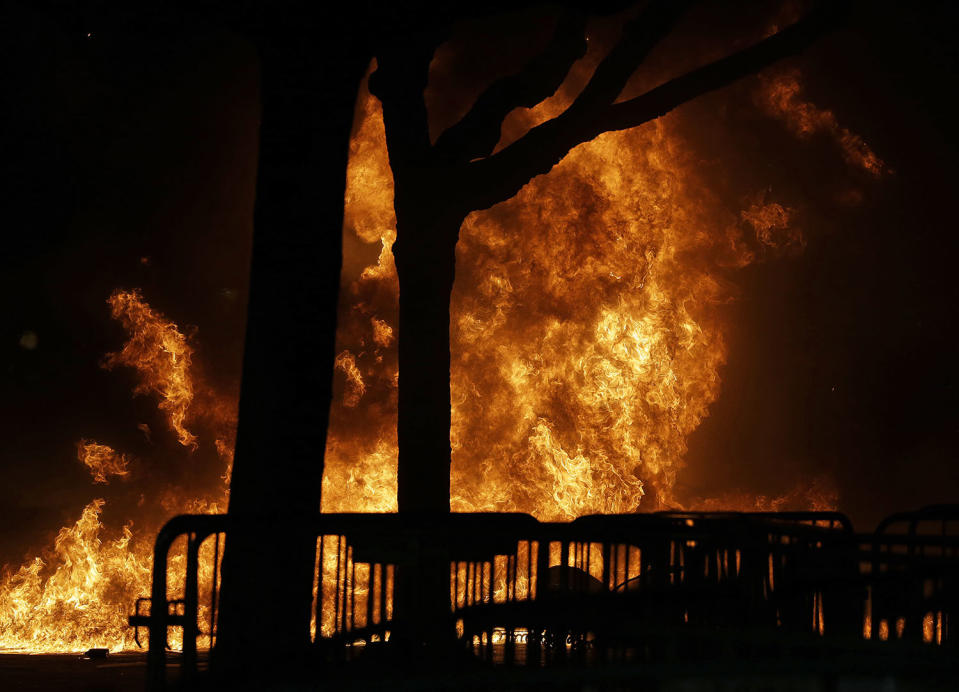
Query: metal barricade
x=641, y=588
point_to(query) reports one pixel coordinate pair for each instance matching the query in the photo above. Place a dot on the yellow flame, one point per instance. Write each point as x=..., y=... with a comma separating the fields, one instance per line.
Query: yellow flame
x=161, y=356
x=78, y=593
x=586, y=348
x=585, y=342
x=102, y=460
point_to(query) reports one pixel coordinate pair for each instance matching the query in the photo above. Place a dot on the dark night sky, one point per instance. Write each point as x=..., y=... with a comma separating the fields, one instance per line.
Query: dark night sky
x=135, y=143
x=139, y=141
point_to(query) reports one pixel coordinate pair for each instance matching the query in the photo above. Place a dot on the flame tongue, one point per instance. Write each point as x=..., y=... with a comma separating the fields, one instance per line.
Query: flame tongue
x=161, y=356
x=77, y=594
x=102, y=460
x=588, y=347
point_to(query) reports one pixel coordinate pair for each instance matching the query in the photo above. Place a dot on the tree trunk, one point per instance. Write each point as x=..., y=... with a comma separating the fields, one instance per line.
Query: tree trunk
x=308, y=93
x=425, y=262
x=424, y=253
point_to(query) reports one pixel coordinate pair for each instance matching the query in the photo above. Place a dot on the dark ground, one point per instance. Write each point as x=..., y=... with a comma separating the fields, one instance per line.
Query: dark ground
x=126, y=672
x=71, y=673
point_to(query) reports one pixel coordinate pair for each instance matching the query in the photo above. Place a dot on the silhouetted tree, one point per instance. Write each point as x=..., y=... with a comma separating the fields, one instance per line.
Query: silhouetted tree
x=438, y=184
x=310, y=72
x=311, y=66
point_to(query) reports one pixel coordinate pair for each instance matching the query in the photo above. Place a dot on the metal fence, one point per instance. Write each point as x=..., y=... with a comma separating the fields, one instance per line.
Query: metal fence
x=629, y=588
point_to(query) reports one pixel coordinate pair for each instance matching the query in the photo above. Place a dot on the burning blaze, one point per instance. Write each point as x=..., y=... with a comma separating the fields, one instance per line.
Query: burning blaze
x=78, y=593
x=587, y=352
x=587, y=342
x=360, y=460
x=587, y=330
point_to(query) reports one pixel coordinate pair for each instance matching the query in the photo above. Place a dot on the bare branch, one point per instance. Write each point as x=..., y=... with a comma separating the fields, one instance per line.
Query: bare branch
x=399, y=82
x=477, y=132
x=502, y=175
x=638, y=39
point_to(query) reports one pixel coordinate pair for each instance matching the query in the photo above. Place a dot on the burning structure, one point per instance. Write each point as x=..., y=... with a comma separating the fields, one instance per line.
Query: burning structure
x=585, y=334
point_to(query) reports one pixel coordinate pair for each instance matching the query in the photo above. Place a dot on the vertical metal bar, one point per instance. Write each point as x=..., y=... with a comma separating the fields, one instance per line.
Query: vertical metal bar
x=190, y=607
x=618, y=557
x=564, y=566
x=159, y=613
x=542, y=566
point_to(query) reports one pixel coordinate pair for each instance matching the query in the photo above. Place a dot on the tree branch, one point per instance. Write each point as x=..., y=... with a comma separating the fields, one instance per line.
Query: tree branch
x=478, y=131
x=638, y=39
x=501, y=176
x=399, y=82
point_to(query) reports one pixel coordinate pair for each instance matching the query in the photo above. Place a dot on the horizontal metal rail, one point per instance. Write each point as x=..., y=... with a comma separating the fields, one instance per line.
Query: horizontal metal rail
x=528, y=593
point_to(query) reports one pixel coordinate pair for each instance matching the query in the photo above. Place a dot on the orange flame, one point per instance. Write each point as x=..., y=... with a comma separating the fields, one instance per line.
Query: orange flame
x=102, y=460
x=77, y=594
x=161, y=356
x=780, y=96
x=586, y=346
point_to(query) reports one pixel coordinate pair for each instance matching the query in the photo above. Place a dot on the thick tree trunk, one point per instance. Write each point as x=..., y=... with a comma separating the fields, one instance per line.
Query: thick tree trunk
x=425, y=266
x=425, y=262
x=308, y=89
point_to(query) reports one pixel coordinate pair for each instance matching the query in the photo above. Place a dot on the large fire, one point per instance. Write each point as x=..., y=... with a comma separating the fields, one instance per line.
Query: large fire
x=78, y=593
x=586, y=335
x=587, y=346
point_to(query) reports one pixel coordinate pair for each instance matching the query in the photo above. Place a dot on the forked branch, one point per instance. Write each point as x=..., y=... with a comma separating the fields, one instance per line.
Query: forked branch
x=479, y=130
x=499, y=177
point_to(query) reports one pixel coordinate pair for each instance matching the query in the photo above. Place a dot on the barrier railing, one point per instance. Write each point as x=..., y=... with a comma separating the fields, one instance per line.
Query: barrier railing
x=642, y=587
